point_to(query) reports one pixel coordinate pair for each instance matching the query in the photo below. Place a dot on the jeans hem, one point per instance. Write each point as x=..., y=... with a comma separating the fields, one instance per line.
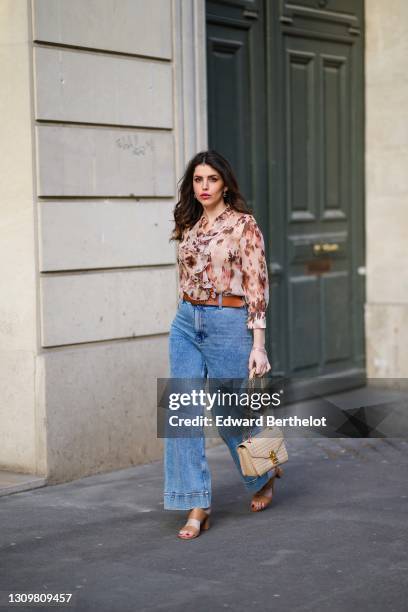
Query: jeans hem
x=257, y=483
x=186, y=501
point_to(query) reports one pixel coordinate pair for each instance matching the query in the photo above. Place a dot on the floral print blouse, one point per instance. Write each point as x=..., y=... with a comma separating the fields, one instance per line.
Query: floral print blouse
x=227, y=258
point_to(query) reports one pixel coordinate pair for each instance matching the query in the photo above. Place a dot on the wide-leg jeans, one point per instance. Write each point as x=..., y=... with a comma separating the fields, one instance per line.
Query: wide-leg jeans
x=213, y=342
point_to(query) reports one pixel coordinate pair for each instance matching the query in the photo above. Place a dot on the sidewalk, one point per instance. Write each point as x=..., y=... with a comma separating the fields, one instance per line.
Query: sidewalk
x=335, y=537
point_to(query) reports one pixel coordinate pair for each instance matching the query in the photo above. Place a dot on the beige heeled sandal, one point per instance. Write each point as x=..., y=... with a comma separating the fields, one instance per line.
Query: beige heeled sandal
x=198, y=520
x=265, y=500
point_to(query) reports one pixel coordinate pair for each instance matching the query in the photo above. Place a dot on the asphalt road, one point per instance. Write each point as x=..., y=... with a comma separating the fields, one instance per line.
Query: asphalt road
x=335, y=538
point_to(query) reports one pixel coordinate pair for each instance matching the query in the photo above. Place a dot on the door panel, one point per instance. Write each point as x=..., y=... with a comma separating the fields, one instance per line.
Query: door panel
x=305, y=326
x=236, y=94
x=317, y=103
x=229, y=103
x=335, y=123
x=336, y=317
x=301, y=135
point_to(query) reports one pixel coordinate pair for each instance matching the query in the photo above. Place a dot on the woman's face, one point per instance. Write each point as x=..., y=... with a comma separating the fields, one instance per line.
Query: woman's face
x=208, y=185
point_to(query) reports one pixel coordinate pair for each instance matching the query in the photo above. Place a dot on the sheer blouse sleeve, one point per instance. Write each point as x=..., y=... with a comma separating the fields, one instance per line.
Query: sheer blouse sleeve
x=255, y=282
x=182, y=273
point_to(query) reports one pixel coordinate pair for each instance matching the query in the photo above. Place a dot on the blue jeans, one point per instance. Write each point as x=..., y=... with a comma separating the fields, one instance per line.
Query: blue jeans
x=211, y=341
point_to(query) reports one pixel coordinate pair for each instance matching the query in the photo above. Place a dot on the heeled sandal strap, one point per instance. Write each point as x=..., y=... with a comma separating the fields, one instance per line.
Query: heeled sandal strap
x=192, y=522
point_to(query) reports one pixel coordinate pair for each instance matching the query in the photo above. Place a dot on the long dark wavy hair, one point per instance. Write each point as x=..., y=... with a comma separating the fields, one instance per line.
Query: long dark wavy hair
x=188, y=209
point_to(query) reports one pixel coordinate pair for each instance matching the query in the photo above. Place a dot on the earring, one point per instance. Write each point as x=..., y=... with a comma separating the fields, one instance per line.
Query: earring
x=225, y=195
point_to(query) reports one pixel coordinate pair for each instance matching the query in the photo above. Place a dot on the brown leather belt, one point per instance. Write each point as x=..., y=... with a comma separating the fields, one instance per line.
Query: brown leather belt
x=235, y=301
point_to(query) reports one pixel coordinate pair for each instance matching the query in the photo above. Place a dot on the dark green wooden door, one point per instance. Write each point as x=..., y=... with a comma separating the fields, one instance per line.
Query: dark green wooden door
x=309, y=88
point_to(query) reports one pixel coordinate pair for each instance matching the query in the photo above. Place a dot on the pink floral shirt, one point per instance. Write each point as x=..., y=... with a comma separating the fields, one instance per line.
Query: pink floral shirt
x=228, y=258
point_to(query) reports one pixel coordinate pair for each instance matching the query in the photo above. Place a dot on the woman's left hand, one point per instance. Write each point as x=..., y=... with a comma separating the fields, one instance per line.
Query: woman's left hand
x=259, y=359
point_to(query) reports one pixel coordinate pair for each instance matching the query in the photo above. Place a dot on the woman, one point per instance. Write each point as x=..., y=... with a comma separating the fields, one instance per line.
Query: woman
x=219, y=328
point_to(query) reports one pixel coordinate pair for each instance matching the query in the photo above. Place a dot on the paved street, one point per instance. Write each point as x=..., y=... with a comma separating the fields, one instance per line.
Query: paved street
x=334, y=539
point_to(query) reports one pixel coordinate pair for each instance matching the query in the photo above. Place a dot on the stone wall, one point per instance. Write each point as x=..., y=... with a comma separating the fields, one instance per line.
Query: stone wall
x=106, y=102
x=386, y=72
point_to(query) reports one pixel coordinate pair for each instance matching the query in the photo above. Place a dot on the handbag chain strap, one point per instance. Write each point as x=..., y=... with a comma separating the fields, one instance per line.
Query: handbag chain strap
x=251, y=387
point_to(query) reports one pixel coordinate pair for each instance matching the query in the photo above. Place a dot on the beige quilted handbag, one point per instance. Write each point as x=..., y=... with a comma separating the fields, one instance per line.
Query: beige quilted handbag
x=262, y=452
